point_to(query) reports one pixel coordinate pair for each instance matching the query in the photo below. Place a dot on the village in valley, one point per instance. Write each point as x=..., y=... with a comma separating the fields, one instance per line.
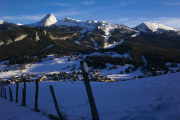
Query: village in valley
x=64, y=68
x=68, y=73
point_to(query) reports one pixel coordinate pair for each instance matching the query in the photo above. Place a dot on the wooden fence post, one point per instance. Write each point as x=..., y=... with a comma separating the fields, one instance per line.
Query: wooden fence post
x=5, y=93
x=24, y=93
x=55, y=102
x=17, y=88
x=1, y=90
x=23, y=103
x=36, y=96
x=10, y=94
x=94, y=112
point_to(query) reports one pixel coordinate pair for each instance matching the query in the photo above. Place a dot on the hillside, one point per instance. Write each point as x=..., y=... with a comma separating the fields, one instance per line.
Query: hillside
x=159, y=44
x=156, y=48
x=27, y=41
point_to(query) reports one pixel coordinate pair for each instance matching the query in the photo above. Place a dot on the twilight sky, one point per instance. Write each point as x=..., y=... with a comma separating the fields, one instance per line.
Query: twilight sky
x=127, y=12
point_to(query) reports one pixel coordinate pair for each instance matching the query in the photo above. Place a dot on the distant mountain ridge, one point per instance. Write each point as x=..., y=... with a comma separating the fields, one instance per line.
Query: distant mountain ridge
x=153, y=27
x=50, y=20
x=92, y=33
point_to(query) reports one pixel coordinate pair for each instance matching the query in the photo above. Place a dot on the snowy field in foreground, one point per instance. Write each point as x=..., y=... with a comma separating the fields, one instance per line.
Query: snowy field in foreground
x=12, y=111
x=156, y=98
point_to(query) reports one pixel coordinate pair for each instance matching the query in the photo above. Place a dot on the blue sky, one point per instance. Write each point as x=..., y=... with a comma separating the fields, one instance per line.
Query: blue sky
x=128, y=12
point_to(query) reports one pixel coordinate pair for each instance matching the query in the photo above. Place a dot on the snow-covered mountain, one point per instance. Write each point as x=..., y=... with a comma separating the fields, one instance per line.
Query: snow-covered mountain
x=88, y=24
x=91, y=33
x=19, y=24
x=1, y=22
x=48, y=20
x=153, y=27
x=86, y=28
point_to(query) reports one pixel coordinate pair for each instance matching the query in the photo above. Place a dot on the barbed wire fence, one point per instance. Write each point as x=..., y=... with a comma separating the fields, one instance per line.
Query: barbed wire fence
x=72, y=111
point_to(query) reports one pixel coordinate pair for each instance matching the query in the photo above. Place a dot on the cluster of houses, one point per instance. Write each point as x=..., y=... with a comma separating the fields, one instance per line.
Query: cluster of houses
x=61, y=76
x=94, y=75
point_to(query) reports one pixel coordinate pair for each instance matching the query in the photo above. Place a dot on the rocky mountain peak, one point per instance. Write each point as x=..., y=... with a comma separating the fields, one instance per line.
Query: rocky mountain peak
x=48, y=20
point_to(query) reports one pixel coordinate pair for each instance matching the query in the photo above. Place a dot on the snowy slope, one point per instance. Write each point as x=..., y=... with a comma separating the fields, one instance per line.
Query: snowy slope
x=13, y=111
x=108, y=28
x=90, y=25
x=153, y=98
x=153, y=27
x=53, y=64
